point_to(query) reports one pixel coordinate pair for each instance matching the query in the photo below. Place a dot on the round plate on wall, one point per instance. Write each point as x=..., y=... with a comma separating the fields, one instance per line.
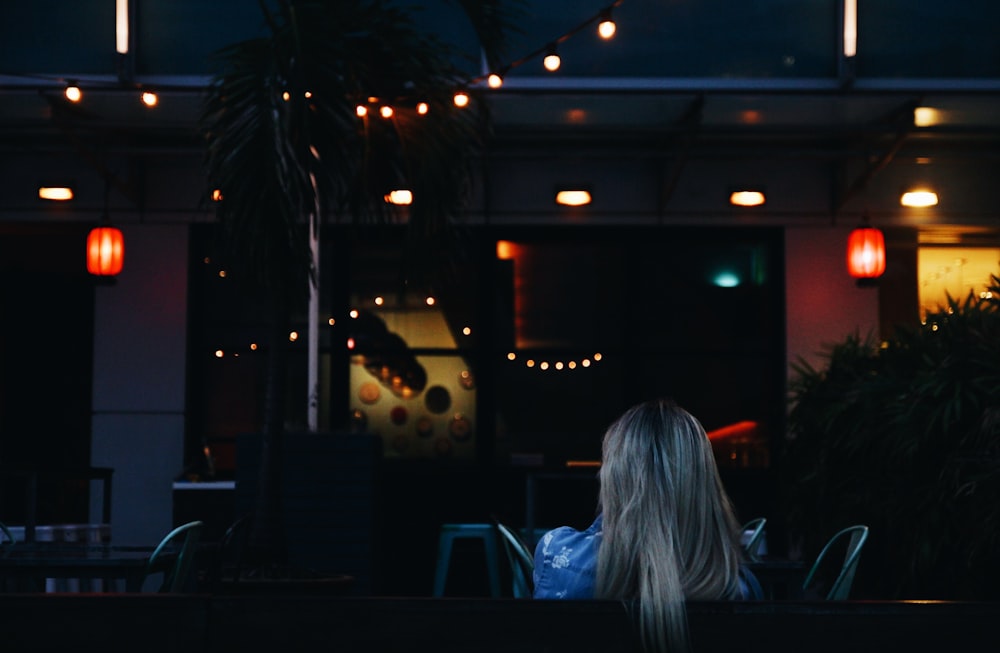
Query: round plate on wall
x=425, y=427
x=369, y=392
x=460, y=428
x=438, y=399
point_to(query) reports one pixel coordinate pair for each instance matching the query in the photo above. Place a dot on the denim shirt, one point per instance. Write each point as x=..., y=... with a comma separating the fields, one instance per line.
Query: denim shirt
x=566, y=565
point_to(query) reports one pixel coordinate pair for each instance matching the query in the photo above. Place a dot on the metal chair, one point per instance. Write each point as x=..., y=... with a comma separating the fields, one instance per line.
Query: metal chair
x=227, y=566
x=177, y=575
x=479, y=531
x=755, y=527
x=841, y=587
x=522, y=563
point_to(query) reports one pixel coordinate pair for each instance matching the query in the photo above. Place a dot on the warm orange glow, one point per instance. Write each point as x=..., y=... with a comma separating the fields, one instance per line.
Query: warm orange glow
x=744, y=429
x=506, y=250
x=216, y=195
x=361, y=110
x=150, y=99
x=401, y=197
x=866, y=253
x=105, y=251
x=552, y=62
x=461, y=99
x=386, y=112
x=495, y=81
x=583, y=463
x=422, y=108
x=73, y=93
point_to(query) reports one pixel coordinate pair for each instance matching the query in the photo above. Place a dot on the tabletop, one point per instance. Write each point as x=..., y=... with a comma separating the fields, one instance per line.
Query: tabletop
x=33, y=566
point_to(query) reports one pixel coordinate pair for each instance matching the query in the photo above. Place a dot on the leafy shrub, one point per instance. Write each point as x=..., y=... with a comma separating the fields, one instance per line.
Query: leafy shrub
x=904, y=436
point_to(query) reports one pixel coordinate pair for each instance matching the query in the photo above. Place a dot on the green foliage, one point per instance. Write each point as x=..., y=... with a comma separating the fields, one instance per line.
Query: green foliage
x=284, y=140
x=904, y=436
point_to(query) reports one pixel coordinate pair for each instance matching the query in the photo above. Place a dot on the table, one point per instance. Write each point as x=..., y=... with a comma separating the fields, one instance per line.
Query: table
x=30, y=566
x=31, y=477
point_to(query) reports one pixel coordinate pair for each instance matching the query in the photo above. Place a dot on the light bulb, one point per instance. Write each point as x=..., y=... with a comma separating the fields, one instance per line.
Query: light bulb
x=606, y=28
x=494, y=80
x=73, y=93
x=461, y=99
x=552, y=61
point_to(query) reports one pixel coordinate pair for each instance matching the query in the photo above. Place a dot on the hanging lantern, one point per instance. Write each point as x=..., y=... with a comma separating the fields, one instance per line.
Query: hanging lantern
x=105, y=251
x=866, y=252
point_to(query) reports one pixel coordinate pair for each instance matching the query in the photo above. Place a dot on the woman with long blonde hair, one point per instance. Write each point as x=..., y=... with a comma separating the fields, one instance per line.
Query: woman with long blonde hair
x=666, y=532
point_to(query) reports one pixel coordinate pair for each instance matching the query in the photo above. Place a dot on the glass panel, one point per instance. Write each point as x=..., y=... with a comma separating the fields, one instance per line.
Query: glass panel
x=928, y=39
x=766, y=38
x=955, y=272
x=599, y=325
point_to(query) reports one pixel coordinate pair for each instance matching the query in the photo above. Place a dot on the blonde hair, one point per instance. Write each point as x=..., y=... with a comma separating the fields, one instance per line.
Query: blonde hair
x=670, y=533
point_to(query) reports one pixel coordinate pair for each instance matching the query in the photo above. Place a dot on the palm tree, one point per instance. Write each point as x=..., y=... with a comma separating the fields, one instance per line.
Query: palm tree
x=288, y=149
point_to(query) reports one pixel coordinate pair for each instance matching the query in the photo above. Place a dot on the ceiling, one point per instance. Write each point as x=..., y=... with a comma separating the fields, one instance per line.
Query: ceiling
x=689, y=99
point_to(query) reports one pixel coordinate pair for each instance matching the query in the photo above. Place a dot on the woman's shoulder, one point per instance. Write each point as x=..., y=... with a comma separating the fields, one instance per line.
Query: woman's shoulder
x=567, y=535
x=566, y=562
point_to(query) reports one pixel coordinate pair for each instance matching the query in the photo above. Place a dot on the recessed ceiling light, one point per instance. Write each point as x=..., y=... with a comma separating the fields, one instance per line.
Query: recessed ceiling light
x=55, y=193
x=746, y=198
x=919, y=199
x=573, y=197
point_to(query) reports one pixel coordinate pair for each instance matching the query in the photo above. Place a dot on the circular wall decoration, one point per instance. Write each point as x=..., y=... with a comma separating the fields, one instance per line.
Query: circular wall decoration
x=369, y=392
x=460, y=428
x=437, y=399
x=398, y=415
x=467, y=380
x=425, y=427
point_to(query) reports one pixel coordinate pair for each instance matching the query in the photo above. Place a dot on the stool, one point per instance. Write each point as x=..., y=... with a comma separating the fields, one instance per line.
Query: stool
x=452, y=532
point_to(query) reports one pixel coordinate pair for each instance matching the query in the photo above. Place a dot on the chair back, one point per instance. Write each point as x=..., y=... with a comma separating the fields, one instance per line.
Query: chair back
x=177, y=574
x=522, y=563
x=228, y=563
x=841, y=587
x=755, y=528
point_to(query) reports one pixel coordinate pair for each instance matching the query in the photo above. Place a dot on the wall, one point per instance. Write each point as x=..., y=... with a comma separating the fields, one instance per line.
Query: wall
x=139, y=380
x=823, y=304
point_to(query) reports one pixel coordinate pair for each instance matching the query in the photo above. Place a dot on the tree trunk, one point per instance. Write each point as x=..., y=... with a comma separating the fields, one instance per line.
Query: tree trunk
x=266, y=546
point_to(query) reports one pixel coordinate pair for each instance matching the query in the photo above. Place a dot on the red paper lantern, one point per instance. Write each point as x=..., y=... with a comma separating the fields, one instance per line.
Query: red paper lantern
x=866, y=253
x=105, y=251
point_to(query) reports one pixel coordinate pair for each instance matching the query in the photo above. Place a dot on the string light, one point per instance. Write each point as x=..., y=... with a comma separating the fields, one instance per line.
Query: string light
x=606, y=28
x=150, y=99
x=73, y=92
x=461, y=99
x=552, y=60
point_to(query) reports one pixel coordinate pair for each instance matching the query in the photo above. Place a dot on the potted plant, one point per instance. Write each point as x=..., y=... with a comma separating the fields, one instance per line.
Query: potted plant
x=288, y=151
x=904, y=436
